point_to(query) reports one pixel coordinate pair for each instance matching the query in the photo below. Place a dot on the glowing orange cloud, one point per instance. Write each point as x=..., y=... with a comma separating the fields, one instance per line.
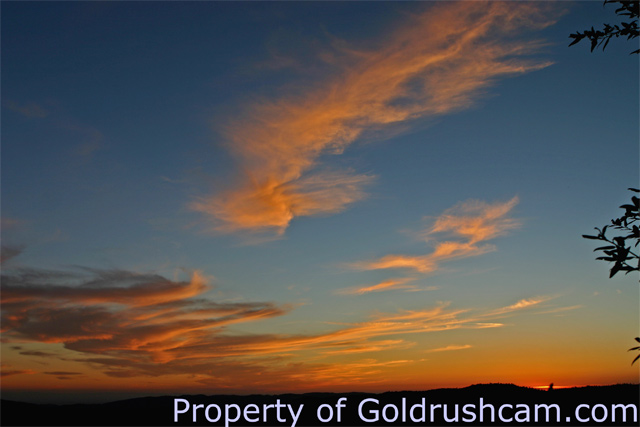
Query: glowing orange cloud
x=438, y=62
x=351, y=338
x=422, y=264
x=110, y=312
x=110, y=326
x=382, y=286
x=472, y=220
x=9, y=372
x=379, y=345
x=128, y=325
x=449, y=348
x=522, y=304
x=153, y=290
x=477, y=220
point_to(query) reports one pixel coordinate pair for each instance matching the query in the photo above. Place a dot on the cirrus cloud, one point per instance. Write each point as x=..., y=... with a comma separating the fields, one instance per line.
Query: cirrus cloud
x=440, y=61
x=473, y=221
x=131, y=325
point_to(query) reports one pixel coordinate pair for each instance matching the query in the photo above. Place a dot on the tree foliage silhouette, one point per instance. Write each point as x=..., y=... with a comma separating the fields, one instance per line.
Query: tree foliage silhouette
x=622, y=248
x=629, y=8
x=618, y=251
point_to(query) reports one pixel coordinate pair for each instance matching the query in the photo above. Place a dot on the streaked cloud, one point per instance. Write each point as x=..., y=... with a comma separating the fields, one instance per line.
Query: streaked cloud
x=37, y=353
x=271, y=204
x=485, y=325
x=422, y=264
x=379, y=345
x=526, y=303
x=521, y=304
x=9, y=223
x=386, y=285
x=440, y=61
x=474, y=221
x=30, y=110
x=114, y=311
x=560, y=309
x=353, y=335
x=127, y=325
x=10, y=372
x=86, y=150
x=449, y=348
x=8, y=252
x=63, y=373
x=401, y=284
x=104, y=286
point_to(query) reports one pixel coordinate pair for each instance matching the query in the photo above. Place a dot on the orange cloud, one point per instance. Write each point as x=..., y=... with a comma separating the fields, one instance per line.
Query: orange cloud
x=477, y=220
x=524, y=303
x=143, y=290
x=560, y=309
x=438, y=62
x=422, y=264
x=521, y=304
x=382, y=286
x=351, y=338
x=111, y=326
x=128, y=325
x=271, y=204
x=380, y=345
x=450, y=348
x=472, y=220
x=9, y=372
x=110, y=312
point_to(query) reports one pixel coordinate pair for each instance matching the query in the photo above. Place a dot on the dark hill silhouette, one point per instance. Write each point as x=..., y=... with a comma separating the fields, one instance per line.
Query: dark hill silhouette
x=159, y=411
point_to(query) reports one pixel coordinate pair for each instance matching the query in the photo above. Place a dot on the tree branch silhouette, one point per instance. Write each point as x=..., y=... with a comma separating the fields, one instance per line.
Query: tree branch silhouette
x=601, y=38
x=621, y=249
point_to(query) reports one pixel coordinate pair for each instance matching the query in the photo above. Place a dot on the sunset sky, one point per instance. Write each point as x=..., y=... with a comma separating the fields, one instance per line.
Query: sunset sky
x=215, y=197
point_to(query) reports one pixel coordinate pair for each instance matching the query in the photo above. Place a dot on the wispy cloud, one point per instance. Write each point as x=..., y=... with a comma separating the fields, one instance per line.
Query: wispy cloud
x=356, y=336
x=270, y=203
x=31, y=110
x=473, y=221
x=422, y=264
x=440, y=61
x=37, y=353
x=86, y=151
x=10, y=372
x=104, y=286
x=521, y=304
x=476, y=221
x=386, y=285
x=379, y=345
x=449, y=348
x=128, y=325
x=63, y=373
x=525, y=303
x=8, y=252
x=9, y=223
x=115, y=312
x=560, y=309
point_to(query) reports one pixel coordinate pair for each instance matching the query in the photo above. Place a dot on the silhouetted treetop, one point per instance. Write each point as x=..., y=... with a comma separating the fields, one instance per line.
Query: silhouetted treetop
x=620, y=249
x=629, y=8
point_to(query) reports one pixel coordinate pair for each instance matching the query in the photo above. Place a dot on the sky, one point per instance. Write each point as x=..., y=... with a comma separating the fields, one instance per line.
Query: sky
x=262, y=197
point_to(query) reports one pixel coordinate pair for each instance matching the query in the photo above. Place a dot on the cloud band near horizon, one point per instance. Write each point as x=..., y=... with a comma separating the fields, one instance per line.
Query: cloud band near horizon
x=127, y=325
